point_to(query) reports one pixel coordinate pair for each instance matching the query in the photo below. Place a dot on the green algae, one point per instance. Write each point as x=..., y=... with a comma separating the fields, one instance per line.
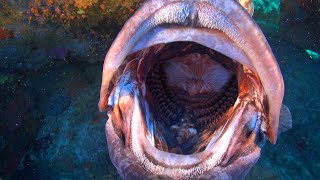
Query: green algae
x=267, y=15
x=6, y=79
x=267, y=6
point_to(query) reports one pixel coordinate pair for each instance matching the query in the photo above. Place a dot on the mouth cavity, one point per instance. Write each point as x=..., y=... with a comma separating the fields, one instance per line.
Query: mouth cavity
x=187, y=101
x=189, y=88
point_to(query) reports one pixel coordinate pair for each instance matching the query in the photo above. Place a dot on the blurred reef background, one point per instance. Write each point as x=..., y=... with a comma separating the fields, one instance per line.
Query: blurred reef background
x=51, y=55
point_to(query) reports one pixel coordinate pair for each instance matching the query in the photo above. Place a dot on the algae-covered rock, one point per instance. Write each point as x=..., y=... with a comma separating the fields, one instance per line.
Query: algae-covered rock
x=12, y=55
x=267, y=15
x=269, y=10
x=5, y=34
x=37, y=59
x=5, y=79
x=18, y=126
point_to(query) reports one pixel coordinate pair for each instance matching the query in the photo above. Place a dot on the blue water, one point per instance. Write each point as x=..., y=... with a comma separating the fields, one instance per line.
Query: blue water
x=50, y=126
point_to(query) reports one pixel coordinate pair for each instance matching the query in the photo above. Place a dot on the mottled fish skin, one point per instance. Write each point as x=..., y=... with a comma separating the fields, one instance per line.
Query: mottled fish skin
x=259, y=119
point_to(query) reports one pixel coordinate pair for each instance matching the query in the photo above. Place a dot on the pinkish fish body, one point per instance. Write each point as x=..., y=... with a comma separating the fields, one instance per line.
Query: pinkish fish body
x=192, y=90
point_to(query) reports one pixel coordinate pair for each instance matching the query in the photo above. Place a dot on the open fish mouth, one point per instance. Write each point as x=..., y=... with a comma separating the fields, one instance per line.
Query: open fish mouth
x=191, y=88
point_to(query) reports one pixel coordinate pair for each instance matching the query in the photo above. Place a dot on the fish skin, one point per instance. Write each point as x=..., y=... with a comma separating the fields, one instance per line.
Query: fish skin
x=257, y=49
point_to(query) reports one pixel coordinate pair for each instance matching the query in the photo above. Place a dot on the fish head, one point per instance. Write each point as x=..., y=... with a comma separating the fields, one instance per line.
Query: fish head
x=192, y=90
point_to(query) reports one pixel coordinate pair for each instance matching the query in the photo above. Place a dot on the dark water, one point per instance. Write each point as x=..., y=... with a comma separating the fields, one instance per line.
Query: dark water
x=50, y=75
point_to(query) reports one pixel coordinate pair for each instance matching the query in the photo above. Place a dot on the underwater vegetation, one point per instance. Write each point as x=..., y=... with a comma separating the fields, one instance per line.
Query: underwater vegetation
x=51, y=54
x=66, y=13
x=48, y=23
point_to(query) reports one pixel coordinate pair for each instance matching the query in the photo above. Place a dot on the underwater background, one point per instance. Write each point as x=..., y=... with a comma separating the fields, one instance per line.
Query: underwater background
x=51, y=55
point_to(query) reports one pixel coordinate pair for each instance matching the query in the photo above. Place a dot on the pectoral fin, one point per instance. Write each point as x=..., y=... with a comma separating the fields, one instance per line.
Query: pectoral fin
x=285, y=122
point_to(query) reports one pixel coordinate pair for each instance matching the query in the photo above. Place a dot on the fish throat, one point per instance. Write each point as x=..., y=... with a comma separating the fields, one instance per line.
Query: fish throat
x=189, y=89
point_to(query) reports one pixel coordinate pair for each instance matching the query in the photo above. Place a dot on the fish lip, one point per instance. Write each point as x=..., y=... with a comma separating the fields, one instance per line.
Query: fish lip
x=218, y=41
x=130, y=168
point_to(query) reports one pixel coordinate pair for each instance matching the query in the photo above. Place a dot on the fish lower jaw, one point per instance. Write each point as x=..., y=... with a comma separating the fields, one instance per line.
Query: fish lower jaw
x=178, y=166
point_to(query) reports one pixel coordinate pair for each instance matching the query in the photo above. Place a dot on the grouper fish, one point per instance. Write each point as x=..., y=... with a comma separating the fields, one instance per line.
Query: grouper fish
x=192, y=91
